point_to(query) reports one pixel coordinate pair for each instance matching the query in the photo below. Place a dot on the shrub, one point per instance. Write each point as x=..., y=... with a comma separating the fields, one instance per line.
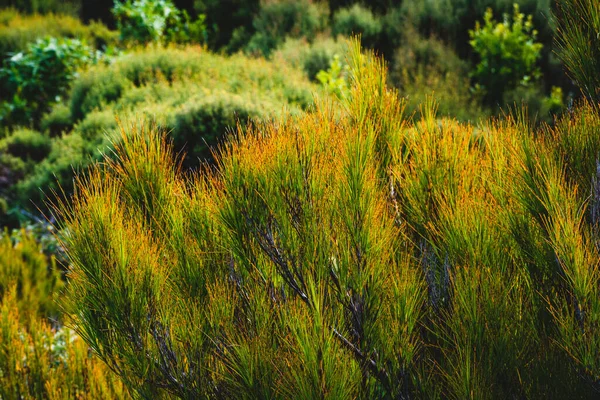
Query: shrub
x=96, y=125
x=37, y=359
x=579, y=48
x=507, y=54
x=202, y=123
x=349, y=253
x=144, y=21
x=334, y=79
x=423, y=68
x=34, y=80
x=27, y=145
x=71, y=7
x=540, y=108
x=279, y=19
x=228, y=22
x=69, y=155
x=310, y=57
x=18, y=31
x=174, y=75
x=24, y=265
x=57, y=121
x=92, y=90
x=358, y=20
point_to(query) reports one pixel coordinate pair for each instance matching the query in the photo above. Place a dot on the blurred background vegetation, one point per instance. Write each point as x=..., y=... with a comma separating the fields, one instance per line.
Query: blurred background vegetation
x=73, y=71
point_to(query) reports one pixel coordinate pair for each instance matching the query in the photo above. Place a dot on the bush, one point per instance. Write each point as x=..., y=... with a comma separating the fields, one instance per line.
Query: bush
x=507, y=54
x=279, y=19
x=201, y=123
x=96, y=126
x=57, y=121
x=145, y=21
x=71, y=7
x=173, y=75
x=159, y=84
x=34, y=80
x=54, y=175
x=425, y=68
x=310, y=57
x=92, y=90
x=350, y=253
x=358, y=20
x=18, y=31
x=579, y=48
x=24, y=265
x=38, y=357
x=27, y=145
x=228, y=22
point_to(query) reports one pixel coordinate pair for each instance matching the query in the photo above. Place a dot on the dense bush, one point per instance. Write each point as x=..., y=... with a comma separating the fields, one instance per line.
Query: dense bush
x=358, y=20
x=579, y=47
x=278, y=19
x=425, y=68
x=203, y=122
x=145, y=21
x=348, y=254
x=27, y=145
x=57, y=121
x=23, y=265
x=507, y=53
x=17, y=31
x=196, y=95
x=30, y=82
x=310, y=57
x=38, y=357
x=228, y=21
x=44, y=6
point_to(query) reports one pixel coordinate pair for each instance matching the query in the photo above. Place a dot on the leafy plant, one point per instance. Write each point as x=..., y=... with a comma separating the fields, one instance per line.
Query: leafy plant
x=32, y=81
x=334, y=79
x=507, y=53
x=144, y=21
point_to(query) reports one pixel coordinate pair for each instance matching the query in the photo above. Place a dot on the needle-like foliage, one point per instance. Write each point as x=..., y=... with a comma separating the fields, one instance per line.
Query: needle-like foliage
x=348, y=253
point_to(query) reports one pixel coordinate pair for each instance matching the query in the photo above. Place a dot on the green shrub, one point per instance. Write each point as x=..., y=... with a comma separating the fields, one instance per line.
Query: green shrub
x=424, y=68
x=579, y=48
x=34, y=80
x=201, y=123
x=349, y=253
x=310, y=57
x=22, y=263
x=70, y=7
x=144, y=21
x=334, y=79
x=92, y=90
x=69, y=154
x=229, y=23
x=17, y=31
x=173, y=75
x=507, y=53
x=358, y=20
x=540, y=108
x=167, y=86
x=57, y=121
x=39, y=357
x=27, y=145
x=279, y=19
x=96, y=125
